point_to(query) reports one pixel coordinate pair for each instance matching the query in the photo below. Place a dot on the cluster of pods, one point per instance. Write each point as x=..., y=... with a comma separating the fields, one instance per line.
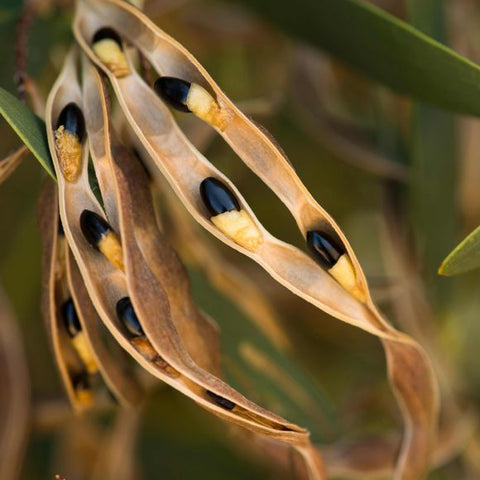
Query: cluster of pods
x=108, y=262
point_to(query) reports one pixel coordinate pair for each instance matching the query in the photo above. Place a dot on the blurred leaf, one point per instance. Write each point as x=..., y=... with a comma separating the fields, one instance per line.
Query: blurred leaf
x=293, y=394
x=29, y=127
x=433, y=162
x=381, y=46
x=465, y=257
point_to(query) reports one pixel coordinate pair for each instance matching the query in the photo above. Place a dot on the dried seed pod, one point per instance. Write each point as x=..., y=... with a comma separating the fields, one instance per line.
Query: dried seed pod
x=107, y=45
x=68, y=140
x=190, y=97
x=112, y=368
x=333, y=257
x=100, y=236
x=227, y=215
x=79, y=341
x=183, y=165
x=126, y=314
x=155, y=306
x=221, y=401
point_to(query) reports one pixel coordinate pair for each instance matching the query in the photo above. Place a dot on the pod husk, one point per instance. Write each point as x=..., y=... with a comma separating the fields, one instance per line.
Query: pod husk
x=409, y=368
x=106, y=284
x=61, y=281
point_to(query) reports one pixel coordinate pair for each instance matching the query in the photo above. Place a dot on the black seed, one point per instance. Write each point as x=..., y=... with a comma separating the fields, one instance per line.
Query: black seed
x=217, y=197
x=173, y=91
x=61, y=231
x=107, y=33
x=70, y=318
x=221, y=401
x=94, y=227
x=71, y=117
x=324, y=248
x=126, y=314
x=81, y=381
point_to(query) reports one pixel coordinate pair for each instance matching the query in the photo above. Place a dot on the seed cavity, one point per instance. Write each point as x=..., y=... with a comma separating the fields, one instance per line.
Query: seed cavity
x=126, y=314
x=79, y=340
x=107, y=45
x=191, y=97
x=221, y=401
x=102, y=237
x=68, y=141
x=228, y=216
x=333, y=257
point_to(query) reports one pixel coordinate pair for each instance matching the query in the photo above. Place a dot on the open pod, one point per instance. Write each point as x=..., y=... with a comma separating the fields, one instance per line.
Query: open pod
x=84, y=361
x=339, y=288
x=121, y=258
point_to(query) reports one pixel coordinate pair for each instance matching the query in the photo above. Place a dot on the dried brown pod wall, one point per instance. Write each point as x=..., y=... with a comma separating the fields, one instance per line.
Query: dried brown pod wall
x=185, y=168
x=160, y=349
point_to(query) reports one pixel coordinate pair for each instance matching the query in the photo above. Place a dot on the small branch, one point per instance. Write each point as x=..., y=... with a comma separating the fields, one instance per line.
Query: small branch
x=21, y=48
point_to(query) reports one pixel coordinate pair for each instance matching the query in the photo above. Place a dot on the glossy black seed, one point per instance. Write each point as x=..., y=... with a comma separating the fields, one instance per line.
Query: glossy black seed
x=324, y=248
x=71, y=117
x=107, y=33
x=217, y=197
x=173, y=91
x=70, y=318
x=94, y=227
x=126, y=314
x=61, y=231
x=81, y=381
x=221, y=401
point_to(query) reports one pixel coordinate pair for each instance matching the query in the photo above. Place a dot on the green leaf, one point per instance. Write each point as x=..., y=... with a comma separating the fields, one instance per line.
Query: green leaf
x=433, y=164
x=310, y=409
x=382, y=47
x=29, y=127
x=465, y=256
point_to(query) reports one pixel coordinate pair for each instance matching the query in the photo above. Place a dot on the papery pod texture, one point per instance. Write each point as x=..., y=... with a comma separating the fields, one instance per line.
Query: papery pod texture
x=108, y=260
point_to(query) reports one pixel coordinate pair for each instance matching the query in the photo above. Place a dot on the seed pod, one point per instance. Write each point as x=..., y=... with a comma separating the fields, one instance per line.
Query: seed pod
x=227, y=215
x=334, y=258
x=69, y=134
x=221, y=401
x=107, y=45
x=126, y=314
x=100, y=236
x=190, y=97
x=79, y=340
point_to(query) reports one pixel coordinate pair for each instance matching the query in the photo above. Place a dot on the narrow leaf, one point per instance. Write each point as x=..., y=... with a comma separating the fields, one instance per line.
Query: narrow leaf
x=382, y=47
x=465, y=257
x=29, y=127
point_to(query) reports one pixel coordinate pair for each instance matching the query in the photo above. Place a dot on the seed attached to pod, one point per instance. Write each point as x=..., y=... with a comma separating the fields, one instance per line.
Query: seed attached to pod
x=79, y=340
x=107, y=45
x=334, y=258
x=126, y=314
x=221, y=401
x=83, y=390
x=190, y=97
x=69, y=135
x=227, y=215
x=101, y=236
